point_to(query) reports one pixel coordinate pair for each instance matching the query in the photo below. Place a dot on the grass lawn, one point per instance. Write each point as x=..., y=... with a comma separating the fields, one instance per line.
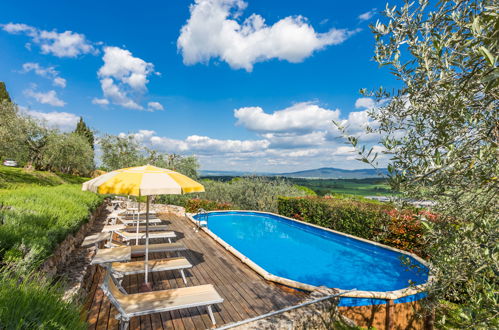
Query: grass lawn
x=18, y=176
x=37, y=211
x=359, y=187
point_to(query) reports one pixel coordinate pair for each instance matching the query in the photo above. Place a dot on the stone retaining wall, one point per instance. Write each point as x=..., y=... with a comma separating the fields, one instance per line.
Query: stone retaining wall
x=59, y=257
x=389, y=316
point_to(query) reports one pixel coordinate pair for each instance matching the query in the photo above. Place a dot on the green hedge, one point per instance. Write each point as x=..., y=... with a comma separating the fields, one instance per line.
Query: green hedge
x=194, y=204
x=34, y=219
x=375, y=221
x=354, y=217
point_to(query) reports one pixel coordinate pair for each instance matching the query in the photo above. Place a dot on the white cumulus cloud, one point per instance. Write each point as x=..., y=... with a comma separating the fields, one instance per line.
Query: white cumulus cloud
x=215, y=31
x=98, y=101
x=46, y=72
x=64, y=121
x=365, y=103
x=49, y=97
x=155, y=106
x=304, y=116
x=60, y=44
x=123, y=76
x=367, y=15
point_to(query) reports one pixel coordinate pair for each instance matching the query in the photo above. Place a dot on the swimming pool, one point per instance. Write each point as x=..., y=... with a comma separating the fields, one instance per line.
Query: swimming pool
x=305, y=256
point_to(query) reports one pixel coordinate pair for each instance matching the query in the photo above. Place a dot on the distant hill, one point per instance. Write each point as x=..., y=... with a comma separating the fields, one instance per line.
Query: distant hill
x=336, y=173
x=231, y=173
x=318, y=173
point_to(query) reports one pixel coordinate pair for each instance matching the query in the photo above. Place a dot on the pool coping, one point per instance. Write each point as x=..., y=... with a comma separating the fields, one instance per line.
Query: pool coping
x=385, y=295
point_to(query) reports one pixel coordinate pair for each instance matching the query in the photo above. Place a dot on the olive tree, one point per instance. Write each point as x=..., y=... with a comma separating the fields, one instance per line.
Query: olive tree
x=186, y=165
x=21, y=137
x=68, y=153
x=120, y=152
x=126, y=151
x=441, y=132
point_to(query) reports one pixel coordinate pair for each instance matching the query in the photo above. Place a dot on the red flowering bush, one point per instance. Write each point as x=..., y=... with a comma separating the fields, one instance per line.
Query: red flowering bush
x=194, y=204
x=402, y=229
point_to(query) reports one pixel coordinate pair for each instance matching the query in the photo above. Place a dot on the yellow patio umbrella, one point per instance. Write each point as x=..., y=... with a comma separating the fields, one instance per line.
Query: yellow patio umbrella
x=143, y=181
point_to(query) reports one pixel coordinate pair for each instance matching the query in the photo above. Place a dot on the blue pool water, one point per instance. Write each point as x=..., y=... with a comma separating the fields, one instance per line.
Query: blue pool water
x=314, y=256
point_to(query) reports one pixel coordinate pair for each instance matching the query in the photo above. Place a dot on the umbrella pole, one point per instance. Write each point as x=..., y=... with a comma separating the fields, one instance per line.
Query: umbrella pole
x=147, y=239
x=138, y=222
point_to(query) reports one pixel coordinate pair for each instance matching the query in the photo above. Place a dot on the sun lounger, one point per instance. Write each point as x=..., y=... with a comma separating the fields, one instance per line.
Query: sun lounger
x=140, y=250
x=95, y=239
x=142, y=228
x=137, y=250
x=127, y=236
x=131, y=305
x=152, y=221
x=134, y=212
x=158, y=265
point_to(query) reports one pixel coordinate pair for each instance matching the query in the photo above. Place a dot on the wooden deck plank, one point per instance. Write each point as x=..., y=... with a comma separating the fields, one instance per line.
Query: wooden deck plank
x=245, y=293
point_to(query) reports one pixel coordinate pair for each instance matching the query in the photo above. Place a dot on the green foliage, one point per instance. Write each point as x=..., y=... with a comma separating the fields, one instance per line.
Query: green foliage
x=21, y=137
x=67, y=153
x=370, y=220
x=28, y=301
x=4, y=95
x=120, y=152
x=306, y=190
x=194, y=204
x=249, y=193
x=186, y=165
x=84, y=131
x=34, y=219
x=125, y=151
x=30, y=143
x=442, y=131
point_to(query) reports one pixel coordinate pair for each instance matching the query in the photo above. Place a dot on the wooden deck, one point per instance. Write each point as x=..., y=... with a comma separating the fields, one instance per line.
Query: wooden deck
x=245, y=293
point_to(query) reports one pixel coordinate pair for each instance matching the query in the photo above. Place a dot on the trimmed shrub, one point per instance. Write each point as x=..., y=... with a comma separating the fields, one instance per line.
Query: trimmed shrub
x=366, y=219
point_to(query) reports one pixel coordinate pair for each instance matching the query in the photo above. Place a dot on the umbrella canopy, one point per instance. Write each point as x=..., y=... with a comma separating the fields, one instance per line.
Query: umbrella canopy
x=143, y=181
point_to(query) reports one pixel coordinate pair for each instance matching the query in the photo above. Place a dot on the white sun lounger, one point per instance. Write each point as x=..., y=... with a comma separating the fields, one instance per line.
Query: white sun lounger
x=153, y=221
x=142, y=228
x=140, y=250
x=137, y=250
x=128, y=236
x=158, y=265
x=130, y=305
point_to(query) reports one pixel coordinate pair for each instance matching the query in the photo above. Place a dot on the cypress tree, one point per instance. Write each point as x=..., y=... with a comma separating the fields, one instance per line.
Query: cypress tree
x=83, y=130
x=4, y=95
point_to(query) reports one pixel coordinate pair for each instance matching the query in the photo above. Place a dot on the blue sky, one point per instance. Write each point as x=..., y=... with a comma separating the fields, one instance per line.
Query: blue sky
x=244, y=85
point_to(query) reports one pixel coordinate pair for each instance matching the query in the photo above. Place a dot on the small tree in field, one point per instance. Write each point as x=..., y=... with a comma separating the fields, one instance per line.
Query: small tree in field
x=442, y=132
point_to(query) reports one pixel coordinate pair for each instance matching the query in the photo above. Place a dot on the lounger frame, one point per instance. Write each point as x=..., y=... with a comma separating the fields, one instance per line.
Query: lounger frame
x=125, y=317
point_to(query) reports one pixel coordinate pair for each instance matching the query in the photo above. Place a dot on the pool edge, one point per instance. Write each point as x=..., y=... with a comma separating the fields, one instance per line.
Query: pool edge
x=384, y=295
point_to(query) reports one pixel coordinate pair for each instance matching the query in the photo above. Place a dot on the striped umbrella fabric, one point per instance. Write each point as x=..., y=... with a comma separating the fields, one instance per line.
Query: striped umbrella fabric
x=143, y=181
